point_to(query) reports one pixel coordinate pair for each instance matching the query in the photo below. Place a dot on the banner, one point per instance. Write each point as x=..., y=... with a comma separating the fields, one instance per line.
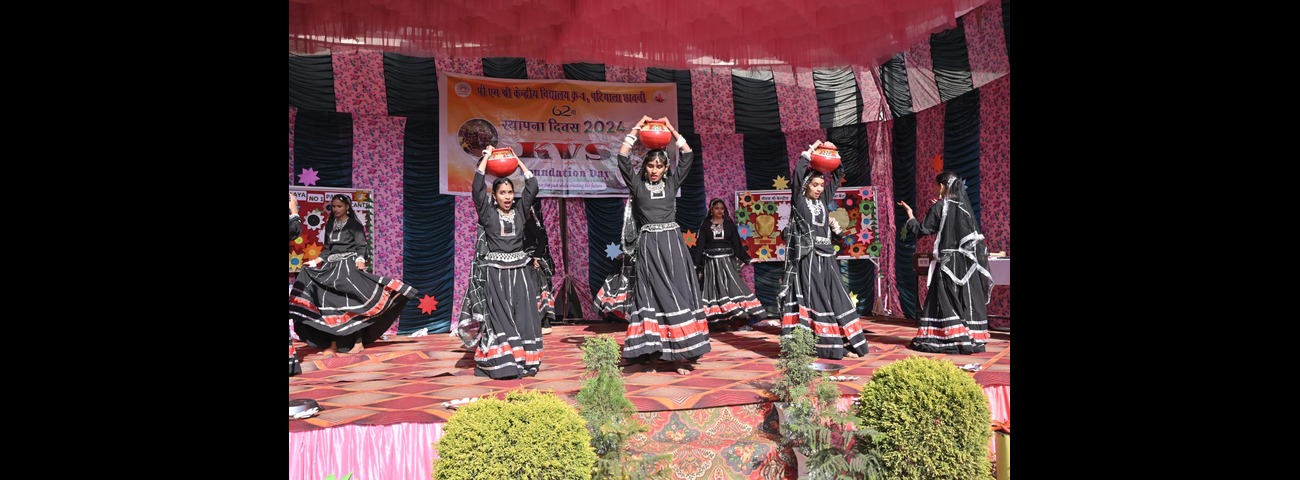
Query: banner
x=567, y=132
x=761, y=216
x=311, y=207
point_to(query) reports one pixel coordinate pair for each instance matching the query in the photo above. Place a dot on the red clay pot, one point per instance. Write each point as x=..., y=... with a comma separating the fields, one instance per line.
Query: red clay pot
x=825, y=158
x=502, y=162
x=655, y=134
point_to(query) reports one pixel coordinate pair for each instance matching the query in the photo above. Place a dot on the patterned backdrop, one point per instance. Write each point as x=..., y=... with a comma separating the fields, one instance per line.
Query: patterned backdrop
x=711, y=96
x=576, y=212
x=359, y=84
x=466, y=217
x=920, y=77
x=554, y=238
x=878, y=141
x=874, y=106
x=929, y=152
x=986, y=44
x=539, y=70
x=293, y=114
x=797, y=99
x=995, y=171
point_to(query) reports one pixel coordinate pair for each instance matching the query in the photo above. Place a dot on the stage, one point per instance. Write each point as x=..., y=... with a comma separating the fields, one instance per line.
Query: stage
x=381, y=410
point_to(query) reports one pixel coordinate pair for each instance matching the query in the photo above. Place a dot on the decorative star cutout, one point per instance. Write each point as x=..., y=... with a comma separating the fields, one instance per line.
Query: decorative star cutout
x=690, y=238
x=312, y=250
x=428, y=304
x=613, y=251
x=937, y=162
x=781, y=183
x=360, y=196
x=853, y=296
x=309, y=176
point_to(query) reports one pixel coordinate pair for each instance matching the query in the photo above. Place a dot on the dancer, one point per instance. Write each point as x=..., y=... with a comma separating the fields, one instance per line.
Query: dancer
x=812, y=293
x=502, y=301
x=719, y=256
x=336, y=305
x=955, y=316
x=668, y=320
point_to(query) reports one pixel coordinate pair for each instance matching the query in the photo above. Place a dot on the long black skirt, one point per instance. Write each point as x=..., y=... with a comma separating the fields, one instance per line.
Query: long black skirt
x=823, y=305
x=954, y=319
x=668, y=317
x=511, y=346
x=724, y=294
x=339, y=303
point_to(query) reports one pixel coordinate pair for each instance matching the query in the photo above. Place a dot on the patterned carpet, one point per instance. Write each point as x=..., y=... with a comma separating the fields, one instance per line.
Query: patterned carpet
x=717, y=422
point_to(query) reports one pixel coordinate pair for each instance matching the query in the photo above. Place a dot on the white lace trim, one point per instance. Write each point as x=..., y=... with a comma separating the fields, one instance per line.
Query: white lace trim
x=505, y=257
x=659, y=227
x=818, y=212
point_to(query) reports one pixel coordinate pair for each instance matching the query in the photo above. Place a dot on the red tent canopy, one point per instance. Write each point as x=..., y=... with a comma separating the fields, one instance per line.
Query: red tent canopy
x=676, y=34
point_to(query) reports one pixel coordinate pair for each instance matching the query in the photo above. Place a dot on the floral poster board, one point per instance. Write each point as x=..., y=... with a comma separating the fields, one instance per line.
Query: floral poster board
x=761, y=216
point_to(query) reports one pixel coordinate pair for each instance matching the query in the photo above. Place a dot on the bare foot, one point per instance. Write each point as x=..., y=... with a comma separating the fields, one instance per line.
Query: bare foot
x=333, y=349
x=546, y=330
x=356, y=348
x=682, y=368
x=852, y=355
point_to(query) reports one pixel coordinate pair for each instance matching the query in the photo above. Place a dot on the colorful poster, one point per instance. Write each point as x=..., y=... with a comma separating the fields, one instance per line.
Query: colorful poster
x=311, y=207
x=761, y=216
x=567, y=132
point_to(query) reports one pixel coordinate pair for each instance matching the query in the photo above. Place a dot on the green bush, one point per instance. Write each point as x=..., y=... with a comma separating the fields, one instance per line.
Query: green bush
x=610, y=416
x=530, y=435
x=933, y=419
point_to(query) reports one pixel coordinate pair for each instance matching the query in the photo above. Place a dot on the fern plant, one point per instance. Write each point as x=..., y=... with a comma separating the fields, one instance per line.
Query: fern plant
x=610, y=416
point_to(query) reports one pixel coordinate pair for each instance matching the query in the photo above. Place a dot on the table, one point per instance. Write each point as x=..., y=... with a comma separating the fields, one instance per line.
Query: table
x=1000, y=268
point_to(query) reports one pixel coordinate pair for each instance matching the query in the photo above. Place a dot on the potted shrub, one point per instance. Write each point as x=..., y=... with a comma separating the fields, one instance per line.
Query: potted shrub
x=610, y=416
x=530, y=434
x=933, y=420
x=827, y=443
